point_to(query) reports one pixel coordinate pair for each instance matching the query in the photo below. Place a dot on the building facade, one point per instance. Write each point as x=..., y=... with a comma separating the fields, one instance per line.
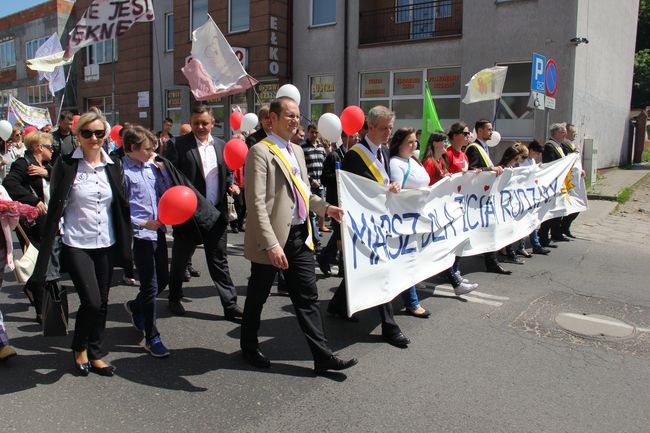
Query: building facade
x=382, y=51
x=21, y=34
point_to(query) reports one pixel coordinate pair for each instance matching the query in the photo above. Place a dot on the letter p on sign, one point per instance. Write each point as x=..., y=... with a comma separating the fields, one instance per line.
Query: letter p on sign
x=537, y=83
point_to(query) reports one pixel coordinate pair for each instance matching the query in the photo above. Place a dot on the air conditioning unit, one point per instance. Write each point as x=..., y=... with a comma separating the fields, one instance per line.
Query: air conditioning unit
x=91, y=73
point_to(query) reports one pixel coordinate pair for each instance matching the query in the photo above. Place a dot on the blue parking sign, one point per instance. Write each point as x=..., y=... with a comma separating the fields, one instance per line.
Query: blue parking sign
x=538, y=72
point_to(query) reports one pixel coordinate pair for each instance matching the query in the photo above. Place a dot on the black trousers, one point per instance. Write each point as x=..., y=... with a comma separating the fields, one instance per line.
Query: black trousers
x=240, y=208
x=567, y=220
x=301, y=283
x=91, y=271
x=551, y=226
x=215, y=247
x=150, y=259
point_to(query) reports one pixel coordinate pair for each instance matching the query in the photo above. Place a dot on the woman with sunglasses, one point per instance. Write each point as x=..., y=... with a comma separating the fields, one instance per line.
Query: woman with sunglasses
x=28, y=182
x=89, y=198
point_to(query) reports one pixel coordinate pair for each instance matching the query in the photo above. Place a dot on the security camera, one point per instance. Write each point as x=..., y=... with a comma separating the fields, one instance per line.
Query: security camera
x=578, y=41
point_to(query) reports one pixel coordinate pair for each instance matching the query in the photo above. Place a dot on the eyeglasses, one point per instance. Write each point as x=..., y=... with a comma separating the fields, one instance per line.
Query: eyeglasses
x=466, y=133
x=47, y=146
x=87, y=133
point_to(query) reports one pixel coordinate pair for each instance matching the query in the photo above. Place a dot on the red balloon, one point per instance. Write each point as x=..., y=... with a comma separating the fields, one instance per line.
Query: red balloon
x=235, y=120
x=29, y=130
x=115, y=135
x=75, y=119
x=352, y=119
x=235, y=153
x=177, y=205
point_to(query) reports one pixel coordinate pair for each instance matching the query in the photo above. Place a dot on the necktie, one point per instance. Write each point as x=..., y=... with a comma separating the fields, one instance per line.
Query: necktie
x=379, y=158
x=302, y=208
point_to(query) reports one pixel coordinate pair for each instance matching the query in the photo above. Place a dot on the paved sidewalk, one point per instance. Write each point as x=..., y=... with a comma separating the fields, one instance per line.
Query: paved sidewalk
x=615, y=180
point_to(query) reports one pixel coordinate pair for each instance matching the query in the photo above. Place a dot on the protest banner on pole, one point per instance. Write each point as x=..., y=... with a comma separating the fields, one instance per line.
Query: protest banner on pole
x=21, y=114
x=393, y=241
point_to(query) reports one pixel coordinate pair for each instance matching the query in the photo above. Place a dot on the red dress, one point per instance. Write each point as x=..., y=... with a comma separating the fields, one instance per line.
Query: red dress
x=456, y=160
x=434, y=168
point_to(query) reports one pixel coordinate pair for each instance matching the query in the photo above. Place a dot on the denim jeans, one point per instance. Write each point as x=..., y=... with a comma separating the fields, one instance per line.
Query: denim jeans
x=150, y=259
x=313, y=218
x=410, y=298
x=534, y=239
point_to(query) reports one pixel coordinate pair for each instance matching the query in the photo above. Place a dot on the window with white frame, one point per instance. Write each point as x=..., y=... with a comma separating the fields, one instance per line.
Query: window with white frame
x=322, y=92
x=4, y=100
x=239, y=15
x=515, y=120
x=7, y=54
x=169, y=32
x=323, y=12
x=198, y=14
x=174, y=108
x=32, y=46
x=102, y=52
x=105, y=104
x=403, y=92
x=39, y=94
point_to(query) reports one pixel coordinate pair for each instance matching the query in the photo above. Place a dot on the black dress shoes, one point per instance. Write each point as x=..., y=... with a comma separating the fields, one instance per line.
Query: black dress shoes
x=324, y=265
x=398, y=340
x=107, y=371
x=176, y=307
x=234, y=314
x=568, y=233
x=256, y=358
x=186, y=276
x=193, y=272
x=498, y=269
x=80, y=369
x=560, y=238
x=333, y=363
x=541, y=250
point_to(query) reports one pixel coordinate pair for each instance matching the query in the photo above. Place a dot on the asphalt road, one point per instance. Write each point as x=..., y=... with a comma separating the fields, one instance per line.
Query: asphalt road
x=489, y=362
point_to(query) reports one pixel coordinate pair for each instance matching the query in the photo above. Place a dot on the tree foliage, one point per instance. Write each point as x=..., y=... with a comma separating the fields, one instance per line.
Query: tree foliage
x=641, y=87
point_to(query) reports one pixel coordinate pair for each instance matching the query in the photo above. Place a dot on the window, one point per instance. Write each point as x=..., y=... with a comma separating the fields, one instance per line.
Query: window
x=102, y=52
x=174, y=110
x=239, y=15
x=322, y=91
x=38, y=94
x=32, y=46
x=515, y=119
x=323, y=12
x=403, y=92
x=7, y=54
x=4, y=100
x=218, y=107
x=169, y=32
x=443, y=9
x=198, y=14
x=104, y=103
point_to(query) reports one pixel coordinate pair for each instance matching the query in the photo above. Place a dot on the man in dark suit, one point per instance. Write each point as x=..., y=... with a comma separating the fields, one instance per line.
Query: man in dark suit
x=380, y=126
x=478, y=155
x=199, y=157
x=264, y=130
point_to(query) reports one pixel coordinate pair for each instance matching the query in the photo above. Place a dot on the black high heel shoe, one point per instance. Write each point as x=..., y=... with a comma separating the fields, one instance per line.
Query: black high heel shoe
x=81, y=369
x=107, y=371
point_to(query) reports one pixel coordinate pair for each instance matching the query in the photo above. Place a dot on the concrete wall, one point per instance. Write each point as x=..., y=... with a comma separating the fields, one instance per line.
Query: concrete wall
x=603, y=77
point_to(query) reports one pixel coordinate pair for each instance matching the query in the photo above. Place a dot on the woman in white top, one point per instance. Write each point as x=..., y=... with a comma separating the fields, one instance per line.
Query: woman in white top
x=87, y=190
x=409, y=173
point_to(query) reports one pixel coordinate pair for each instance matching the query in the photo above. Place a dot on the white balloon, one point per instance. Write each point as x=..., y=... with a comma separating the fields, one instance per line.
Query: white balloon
x=248, y=122
x=329, y=126
x=472, y=136
x=289, y=90
x=494, y=140
x=5, y=130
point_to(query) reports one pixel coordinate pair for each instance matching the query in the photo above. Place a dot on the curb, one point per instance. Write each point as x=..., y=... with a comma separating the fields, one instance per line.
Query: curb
x=601, y=197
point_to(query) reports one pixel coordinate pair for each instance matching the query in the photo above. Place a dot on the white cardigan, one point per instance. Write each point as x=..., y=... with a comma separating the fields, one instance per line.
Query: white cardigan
x=8, y=225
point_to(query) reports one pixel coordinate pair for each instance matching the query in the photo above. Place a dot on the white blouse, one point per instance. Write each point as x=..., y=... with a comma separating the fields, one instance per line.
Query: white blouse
x=87, y=218
x=417, y=176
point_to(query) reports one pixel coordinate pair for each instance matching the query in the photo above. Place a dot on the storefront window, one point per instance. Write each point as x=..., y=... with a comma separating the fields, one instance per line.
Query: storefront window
x=174, y=109
x=322, y=92
x=515, y=120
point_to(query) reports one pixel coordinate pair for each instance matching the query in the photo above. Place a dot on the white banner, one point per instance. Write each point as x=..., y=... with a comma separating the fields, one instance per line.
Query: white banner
x=21, y=114
x=486, y=85
x=107, y=19
x=393, y=241
x=56, y=78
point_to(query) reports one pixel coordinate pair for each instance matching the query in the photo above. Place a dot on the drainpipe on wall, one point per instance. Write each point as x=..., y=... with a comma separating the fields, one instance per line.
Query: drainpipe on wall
x=345, y=53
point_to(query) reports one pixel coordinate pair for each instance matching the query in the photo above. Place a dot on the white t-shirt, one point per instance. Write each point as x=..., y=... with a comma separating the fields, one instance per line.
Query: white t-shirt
x=417, y=176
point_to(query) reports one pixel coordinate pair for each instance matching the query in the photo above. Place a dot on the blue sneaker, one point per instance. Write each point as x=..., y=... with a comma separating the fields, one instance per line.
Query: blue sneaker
x=136, y=319
x=156, y=348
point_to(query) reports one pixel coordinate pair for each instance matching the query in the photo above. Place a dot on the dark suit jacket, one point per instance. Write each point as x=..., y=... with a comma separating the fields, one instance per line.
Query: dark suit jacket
x=20, y=185
x=475, y=159
x=255, y=137
x=184, y=155
x=63, y=176
x=354, y=164
x=549, y=153
x=328, y=178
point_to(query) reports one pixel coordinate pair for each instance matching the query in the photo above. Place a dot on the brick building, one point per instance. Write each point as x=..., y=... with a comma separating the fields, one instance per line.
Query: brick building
x=21, y=34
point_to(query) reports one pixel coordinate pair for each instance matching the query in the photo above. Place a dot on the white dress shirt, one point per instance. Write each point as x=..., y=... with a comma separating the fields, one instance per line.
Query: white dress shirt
x=87, y=218
x=210, y=168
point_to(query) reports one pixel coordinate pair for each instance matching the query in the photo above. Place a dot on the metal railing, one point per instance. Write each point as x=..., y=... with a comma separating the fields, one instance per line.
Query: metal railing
x=409, y=20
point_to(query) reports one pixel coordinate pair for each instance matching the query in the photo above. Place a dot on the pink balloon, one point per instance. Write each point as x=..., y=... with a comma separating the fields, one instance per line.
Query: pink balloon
x=235, y=120
x=115, y=134
x=29, y=130
x=352, y=119
x=75, y=119
x=177, y=205
x=235, y=153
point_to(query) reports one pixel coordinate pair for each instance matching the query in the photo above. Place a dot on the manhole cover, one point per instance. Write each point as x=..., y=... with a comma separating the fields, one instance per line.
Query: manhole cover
x=594, y=326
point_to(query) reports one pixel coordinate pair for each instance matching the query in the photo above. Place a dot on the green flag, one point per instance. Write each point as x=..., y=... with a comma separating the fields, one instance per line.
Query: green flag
x=430, y=121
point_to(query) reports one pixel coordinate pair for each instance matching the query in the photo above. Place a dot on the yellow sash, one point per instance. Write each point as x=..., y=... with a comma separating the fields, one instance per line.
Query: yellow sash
x=481, y=152
x=298, y=185
x=557, y=147
x=375, y=172
x=570, y=145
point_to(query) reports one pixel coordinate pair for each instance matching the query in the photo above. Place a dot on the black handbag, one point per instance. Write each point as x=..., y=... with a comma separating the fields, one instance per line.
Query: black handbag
x=55, y=310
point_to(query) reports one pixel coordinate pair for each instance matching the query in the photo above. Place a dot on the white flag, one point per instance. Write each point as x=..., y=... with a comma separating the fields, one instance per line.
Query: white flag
x=55, y=78
x=214, y=70
x=48, y=63
x=107, y=19
x=486, y=85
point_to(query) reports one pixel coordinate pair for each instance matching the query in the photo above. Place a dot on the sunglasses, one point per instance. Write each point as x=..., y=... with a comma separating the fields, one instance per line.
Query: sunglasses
x=87, y=133
x=466, y=133
x=47, y=146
